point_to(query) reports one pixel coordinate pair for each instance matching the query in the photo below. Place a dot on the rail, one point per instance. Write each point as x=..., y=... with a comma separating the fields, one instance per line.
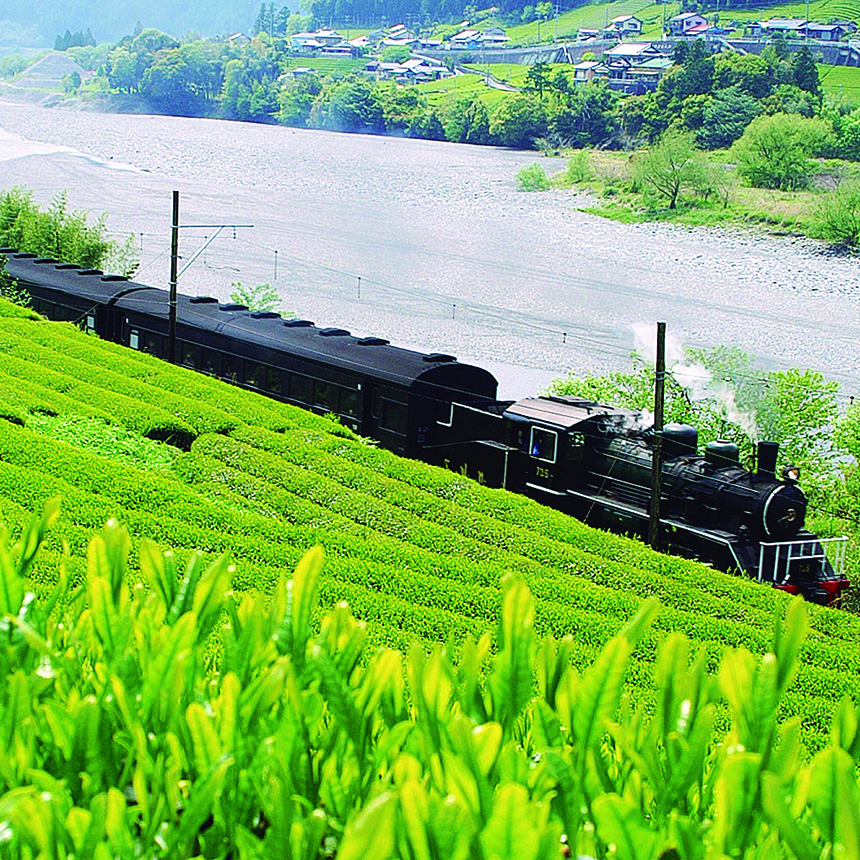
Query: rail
x=814, y=549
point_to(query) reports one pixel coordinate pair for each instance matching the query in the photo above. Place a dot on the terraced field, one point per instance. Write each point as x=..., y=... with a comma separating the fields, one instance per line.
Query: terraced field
x=416, y=551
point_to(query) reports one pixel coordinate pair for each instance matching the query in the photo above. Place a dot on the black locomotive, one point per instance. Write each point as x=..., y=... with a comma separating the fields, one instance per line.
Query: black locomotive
x=590, y=460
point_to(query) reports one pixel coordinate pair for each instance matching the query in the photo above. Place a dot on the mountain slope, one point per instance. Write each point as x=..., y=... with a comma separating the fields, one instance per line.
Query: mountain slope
x=110, y=21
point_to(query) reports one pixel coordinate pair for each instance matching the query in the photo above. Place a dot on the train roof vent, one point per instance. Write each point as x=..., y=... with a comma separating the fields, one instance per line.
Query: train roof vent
x=68, y=267
x=26, y=256
x=90, y=272
x=265, y=315
x=373, y=341
x=202, y=300
x=113, y=278
x=439, y=356
x=43, y=260
x=232, y=307
x=298, y=323
x=333, y=332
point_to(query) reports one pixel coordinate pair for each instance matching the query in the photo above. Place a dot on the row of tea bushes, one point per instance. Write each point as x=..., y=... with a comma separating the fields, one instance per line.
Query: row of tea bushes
x=123, y=733
x=414, y=549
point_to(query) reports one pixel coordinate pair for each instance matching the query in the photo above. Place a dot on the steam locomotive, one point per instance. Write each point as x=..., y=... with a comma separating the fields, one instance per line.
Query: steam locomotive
x=587, y=459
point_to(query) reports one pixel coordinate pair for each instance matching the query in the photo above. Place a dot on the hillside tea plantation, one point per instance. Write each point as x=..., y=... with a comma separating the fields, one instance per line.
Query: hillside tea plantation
x=183, y=705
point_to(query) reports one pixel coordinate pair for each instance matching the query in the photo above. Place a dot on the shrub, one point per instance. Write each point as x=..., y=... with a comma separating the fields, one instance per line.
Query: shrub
x=774, y=151
x=837, y=216
x=532, y=178
x=179, y=721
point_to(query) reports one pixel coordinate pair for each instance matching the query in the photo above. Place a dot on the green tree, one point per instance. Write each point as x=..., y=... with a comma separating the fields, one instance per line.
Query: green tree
x=589, y=118
x=725, y=118
x=349, y=105
x=537, y=78
x=518, y=121
x=805, y=72
x=669, y=166
x=774, y=151
x=261, y=297
x=61, y=233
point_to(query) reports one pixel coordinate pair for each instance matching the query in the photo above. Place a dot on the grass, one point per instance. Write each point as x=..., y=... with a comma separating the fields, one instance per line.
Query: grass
x=460, y=86
x=840, y=81
x=326, y=65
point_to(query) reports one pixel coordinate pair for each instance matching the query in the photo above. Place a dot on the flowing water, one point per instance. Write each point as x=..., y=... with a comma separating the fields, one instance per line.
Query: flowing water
x=430, y=245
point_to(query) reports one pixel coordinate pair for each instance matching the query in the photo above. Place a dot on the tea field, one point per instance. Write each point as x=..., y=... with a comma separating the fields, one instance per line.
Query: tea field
x=417, y=552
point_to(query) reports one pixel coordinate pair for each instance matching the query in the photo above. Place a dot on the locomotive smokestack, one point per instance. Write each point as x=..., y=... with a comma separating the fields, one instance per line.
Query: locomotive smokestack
x=766, y=458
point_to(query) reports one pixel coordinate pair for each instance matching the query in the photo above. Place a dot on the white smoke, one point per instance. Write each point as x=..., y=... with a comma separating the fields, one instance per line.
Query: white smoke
x=695, y=379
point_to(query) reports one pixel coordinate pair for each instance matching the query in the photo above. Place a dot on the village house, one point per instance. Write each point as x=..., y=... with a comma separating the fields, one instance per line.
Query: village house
x=685, y=23
x=623, y=25
x=632, y=67
x=583, y=34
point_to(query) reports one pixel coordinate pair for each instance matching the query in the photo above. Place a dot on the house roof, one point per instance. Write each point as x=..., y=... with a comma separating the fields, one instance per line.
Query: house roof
x=699, y=28
x=685, y=16
x=656, y=63
x=620, y=19
x=632, y=49
x=783, y=23
x=587, y=64
x=465, y=36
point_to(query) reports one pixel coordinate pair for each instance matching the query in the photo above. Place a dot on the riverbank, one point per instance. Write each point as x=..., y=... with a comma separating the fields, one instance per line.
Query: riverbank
x=450, y=256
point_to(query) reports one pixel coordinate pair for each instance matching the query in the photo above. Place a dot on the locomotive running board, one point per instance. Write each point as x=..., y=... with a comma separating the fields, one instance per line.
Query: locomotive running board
x=630, y=510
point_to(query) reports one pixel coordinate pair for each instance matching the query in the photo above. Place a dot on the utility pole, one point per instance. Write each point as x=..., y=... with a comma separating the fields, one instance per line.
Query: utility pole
x=656, y=459
x=174, y=266
x=174, y=276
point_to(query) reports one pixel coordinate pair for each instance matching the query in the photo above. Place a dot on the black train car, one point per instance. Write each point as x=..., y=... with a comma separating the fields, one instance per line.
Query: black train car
x=382, y=391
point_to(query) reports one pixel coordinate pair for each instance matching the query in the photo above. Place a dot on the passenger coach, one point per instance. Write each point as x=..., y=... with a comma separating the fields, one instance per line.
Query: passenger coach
x=382, y=391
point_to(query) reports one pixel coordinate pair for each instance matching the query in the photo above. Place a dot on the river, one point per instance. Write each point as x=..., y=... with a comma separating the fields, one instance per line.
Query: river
x=430, y=245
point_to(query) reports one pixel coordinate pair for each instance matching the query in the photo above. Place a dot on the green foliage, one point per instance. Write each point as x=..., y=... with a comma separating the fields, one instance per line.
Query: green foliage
x=179, y=720
x=670, y=166
x=838, y=214
x=518, y=121
x=395, y=54
x=261, y=297
x=578, y=169
x=60, y=233
x=774, y=151
x=532, y=178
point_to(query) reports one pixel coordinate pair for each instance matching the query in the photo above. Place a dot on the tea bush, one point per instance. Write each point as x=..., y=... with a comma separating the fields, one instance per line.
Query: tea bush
x=154, y=713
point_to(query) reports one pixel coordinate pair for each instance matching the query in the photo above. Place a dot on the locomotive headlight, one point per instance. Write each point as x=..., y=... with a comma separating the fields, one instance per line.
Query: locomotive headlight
x=791, y=474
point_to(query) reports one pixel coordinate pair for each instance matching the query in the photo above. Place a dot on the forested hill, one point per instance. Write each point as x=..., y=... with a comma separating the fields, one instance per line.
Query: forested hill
x=109, y=21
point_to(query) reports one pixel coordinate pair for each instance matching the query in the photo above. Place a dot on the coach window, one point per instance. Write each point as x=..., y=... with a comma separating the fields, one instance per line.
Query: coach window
x=393, y=417
x=190, y=354
x=253, y=374
x=274, y=380
x=543, y=444
x=151, y=343
x=231, y=367
x=209, y=361
x=301, y=389
x=348, y=401
x=134, y=338
x=325, y=395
